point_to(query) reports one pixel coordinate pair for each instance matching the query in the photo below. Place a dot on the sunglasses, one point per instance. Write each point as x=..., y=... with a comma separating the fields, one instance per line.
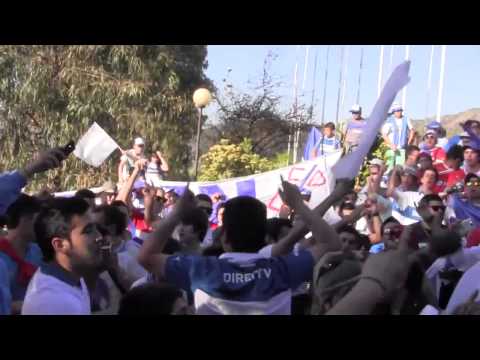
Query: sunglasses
x=473, y=183
x=437, y=207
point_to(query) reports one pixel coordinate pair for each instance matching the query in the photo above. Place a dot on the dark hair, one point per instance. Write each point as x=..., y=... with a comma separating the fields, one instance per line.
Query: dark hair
x=431, y=169
x=427, y=198
x=351, y=230
x=391, y=219
x=119, y=203
x=54, y=221
x=455, y=153
x=44, y=195
x=198, y=219
x=274, y=226
x=445, y=243
x=149, y=299
x=410, y=149
x=245, y=223
x=203, y=197
x=112, y=215
x=23, y=206
x=85, y=194
x=470, y=176
x=329, y=125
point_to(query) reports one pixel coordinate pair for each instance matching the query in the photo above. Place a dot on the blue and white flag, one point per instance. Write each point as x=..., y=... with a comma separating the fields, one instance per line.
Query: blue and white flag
x=313, y=137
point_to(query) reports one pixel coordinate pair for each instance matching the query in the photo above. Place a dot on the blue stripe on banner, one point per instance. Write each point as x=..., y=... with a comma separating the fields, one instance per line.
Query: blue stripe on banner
x=211, y=189
x=246, y=188
x=306, y=177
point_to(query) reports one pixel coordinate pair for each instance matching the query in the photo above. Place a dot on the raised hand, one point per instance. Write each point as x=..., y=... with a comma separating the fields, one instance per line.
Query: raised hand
x=185, y=202
x=290, y=195
x=47, y=160
x=140, y=164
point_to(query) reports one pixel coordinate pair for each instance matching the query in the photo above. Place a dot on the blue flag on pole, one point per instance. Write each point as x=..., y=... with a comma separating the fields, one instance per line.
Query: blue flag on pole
x=313, y=137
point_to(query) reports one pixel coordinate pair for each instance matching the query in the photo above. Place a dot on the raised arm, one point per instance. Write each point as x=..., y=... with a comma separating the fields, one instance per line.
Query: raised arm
x=150, y=255
x=382, y=274
x=286, y=244
x=391, y=191
x=164, y=164
x=326, y=239
x=124, y=193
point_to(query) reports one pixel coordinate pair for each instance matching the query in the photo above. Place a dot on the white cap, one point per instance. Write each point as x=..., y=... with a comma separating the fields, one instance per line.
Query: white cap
x=376, y=162
x=356, y=109
x=396, y=107
x=139, y=141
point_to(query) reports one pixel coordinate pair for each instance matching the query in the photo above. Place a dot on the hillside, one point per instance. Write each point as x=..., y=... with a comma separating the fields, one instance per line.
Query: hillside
x=450, y=122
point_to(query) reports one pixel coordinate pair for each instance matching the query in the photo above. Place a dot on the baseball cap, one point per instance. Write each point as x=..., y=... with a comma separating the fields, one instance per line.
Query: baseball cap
x=396, y=107
x=408, y=170
x=109, y=187
x=376, y=162
x=139, y=141
x=434, y=125
x=430, y=132
x=356, y=109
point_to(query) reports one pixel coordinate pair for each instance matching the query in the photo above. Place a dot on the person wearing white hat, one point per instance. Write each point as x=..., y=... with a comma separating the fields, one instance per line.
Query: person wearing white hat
x=398, y=133
x=355, y=127
x=127, y=161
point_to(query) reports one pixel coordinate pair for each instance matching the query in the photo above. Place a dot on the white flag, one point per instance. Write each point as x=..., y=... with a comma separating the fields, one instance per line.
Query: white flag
x=350, y=164
x=95, y=146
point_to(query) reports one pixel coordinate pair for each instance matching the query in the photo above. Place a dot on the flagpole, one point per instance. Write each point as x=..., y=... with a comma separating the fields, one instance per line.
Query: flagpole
x=360, y=76
x=305, y=70
x=314, y=82
x=390, y=65
x=345, y=77
x=340, y=83
x=429, y=84
x=295, y=107
x=404, y=95
x=380, y=71
x=442, y=78
x=325, y=86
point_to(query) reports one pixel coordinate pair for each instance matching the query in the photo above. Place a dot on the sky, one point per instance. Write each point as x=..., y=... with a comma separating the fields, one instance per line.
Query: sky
x=462, y=75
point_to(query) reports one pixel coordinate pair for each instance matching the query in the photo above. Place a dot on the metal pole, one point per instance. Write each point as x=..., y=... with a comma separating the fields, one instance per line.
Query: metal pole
x=429, y=84
x=404, y=95
x=440, y=86
x=360, y=77
x=314, y=82
x=325, y=87
x=197, y=147
x=340, y=84
x=380, y=71
x=344, y=84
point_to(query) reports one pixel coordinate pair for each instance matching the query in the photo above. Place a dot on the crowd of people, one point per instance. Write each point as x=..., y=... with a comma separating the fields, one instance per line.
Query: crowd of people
x=408, y=242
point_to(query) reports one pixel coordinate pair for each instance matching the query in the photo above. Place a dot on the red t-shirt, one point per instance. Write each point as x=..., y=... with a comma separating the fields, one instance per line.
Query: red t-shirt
x=138, y=219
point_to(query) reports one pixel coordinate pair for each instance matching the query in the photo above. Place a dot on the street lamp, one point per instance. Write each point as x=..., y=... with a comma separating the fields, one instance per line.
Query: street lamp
x=201, y=98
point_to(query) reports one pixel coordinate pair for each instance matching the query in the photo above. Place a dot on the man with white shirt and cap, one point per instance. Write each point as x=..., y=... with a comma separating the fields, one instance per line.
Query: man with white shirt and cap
x=355, y=127
x=127, y=161
x=397, y=132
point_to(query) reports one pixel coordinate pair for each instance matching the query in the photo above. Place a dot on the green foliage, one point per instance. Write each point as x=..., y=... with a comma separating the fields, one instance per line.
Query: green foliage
x=50, y=94
x=279, y=160
x=226, y=160
x=377, y=151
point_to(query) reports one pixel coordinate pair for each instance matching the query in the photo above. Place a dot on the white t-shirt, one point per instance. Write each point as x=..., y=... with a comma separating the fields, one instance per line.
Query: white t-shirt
x=52, y=292
x=387, y=128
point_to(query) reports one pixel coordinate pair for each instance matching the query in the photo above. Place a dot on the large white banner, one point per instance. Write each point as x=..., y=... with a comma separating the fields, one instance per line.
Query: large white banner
x=314, y=175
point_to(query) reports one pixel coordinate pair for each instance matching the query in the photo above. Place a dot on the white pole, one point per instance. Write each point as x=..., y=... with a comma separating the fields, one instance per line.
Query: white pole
x=344, y=86
x=360, y=77
x=325, y=87
x=429, y=84
x=392, y=49
x=340, y=83
x=314, y=82
x=305, y=70
x=442, y=77
x=295, y=92
x=404, y=95
x=380, y=70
